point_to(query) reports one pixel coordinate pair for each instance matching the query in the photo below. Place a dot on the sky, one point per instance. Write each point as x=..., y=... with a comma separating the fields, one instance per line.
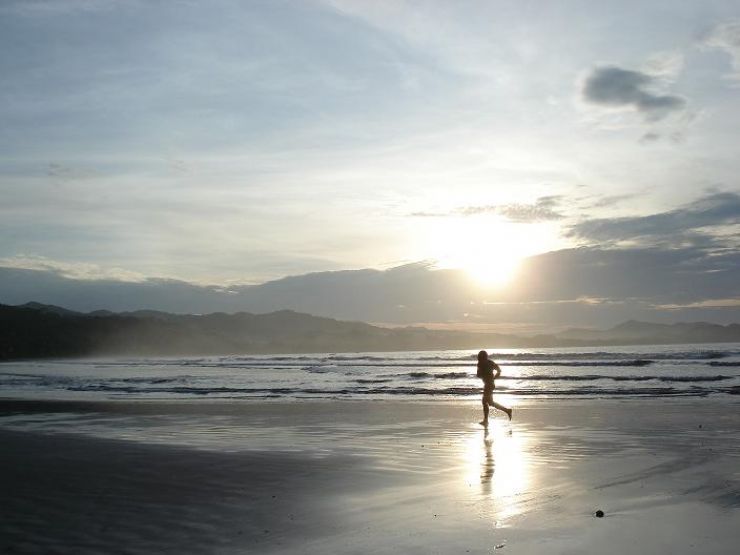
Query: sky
x=232, y=143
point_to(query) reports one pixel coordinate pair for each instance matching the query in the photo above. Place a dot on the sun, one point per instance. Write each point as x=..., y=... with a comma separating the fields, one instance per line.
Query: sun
x=496, y=271
x=488, y=249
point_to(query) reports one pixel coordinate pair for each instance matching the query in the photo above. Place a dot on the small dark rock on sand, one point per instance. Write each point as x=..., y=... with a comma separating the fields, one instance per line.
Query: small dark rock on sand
x=599, y=514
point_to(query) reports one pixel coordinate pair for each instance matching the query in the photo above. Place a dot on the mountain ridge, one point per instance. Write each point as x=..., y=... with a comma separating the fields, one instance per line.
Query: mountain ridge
x=35, y=330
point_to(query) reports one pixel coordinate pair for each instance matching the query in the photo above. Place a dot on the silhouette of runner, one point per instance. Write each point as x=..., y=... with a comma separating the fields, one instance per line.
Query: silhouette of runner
x=485, y=373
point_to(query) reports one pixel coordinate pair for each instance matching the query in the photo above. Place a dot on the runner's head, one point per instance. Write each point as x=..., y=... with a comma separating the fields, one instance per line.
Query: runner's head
x=482, y=356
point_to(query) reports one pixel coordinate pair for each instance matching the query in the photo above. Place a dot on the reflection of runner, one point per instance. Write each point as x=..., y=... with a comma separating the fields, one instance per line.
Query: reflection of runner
x=485, y=373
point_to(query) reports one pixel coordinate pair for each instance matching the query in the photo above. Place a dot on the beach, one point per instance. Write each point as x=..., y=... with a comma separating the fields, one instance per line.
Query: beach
x=379, y=476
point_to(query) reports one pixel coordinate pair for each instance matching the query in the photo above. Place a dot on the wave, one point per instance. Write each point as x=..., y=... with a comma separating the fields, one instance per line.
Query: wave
x=597, y=372
x=319, y=369
x=594, y=377
x=188, y=386
x=565, y=378
x=579, y=363
x=702, y=354
x=416, y=357
x=411, y=391
x=315, y=363
x=179, y=379
x=452, y=375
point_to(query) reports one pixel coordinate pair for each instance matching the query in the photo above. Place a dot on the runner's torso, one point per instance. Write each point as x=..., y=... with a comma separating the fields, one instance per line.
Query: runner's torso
x=486, y=375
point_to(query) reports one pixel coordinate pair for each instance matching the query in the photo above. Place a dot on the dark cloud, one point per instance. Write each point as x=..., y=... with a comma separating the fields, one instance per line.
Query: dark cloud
x=544, y=209
x=617, y=87
x=637, y=283
x=650, y=137
x=651, y=274
x=680, y=226
x=610, y=200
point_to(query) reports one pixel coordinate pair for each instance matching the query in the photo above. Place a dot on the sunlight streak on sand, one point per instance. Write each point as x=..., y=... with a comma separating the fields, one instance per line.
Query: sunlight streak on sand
x=498, y=466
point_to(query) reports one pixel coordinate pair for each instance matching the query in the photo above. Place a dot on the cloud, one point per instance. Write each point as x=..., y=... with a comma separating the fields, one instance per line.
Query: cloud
x=709, y=303
x=610, y=200
x=55, y=7
x=666, y=65
x=542, y=210
x=680, y=226
x=650, y=137
x=638, y=281
x=726, y=37
x=583, y=286
x=78, y=271
x=67, y=172
x=614, y=87
x=426, y=214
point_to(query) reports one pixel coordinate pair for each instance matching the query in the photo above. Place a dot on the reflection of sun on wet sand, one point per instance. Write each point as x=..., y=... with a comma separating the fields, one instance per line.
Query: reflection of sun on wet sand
x=498, y=462
x=386, y=477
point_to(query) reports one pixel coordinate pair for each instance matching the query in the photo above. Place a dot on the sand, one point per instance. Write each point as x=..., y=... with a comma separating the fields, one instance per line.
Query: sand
x=370, y=477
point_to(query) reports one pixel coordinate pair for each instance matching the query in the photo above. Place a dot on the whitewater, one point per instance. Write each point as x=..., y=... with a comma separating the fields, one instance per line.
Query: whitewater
x=676, y=370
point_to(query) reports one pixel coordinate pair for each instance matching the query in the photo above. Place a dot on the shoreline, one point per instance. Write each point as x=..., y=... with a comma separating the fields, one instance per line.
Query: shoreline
x=324, y=410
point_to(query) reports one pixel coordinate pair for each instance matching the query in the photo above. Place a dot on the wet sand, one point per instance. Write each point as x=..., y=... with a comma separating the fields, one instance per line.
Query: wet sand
x=370, y=477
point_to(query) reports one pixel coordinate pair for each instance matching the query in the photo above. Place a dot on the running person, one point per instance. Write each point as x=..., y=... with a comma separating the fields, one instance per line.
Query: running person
x=485, y=373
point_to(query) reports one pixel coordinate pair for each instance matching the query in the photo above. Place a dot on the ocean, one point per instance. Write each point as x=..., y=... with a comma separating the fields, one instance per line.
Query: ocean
x=651, y=370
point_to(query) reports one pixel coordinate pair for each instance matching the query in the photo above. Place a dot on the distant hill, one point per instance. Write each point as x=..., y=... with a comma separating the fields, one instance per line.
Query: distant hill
x=633, y=332
x=50, y=309
x=39, y=331
x=35, y=330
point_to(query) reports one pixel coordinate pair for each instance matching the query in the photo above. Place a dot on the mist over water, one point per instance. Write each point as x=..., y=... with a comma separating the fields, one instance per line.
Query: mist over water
x=694, y=370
